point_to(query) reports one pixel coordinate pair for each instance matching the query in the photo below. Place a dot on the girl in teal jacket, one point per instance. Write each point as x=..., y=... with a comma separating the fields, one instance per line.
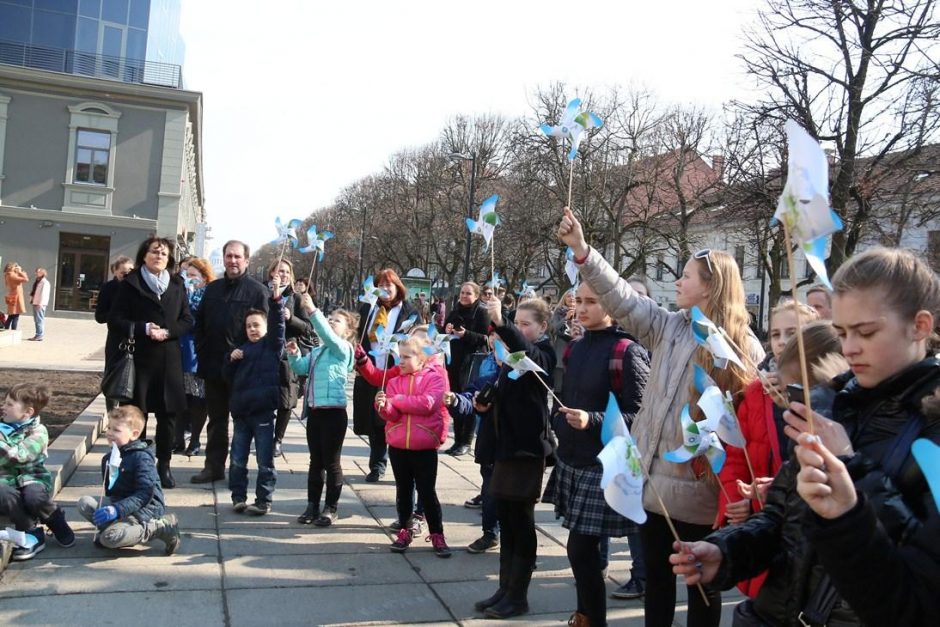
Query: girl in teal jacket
x=327, y=367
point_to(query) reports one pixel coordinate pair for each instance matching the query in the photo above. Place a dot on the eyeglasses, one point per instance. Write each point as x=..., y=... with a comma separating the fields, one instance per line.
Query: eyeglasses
x=705, y=254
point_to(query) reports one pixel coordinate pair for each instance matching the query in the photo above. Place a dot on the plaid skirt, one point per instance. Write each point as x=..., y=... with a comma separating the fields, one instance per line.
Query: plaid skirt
x=578, y=498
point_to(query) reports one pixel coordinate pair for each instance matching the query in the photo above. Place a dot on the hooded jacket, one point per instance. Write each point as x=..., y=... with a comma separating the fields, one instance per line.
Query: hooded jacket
x=23, y=455
x=137, y=491
x=413, y=411
x=884, y=555
x=256, y=378
x=326, y=367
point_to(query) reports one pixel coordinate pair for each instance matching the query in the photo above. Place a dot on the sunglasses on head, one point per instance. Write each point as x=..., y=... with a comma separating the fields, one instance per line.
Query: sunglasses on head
x=705, y=254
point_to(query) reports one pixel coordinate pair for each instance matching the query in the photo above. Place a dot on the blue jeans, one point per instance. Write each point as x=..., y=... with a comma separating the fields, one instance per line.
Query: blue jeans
x=490, y=518
x=260, y=428
x=638, y=562
x=39, y=317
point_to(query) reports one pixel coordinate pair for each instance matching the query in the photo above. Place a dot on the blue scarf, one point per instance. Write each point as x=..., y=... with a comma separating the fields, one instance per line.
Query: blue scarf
x=9, y=428
x=156, y=282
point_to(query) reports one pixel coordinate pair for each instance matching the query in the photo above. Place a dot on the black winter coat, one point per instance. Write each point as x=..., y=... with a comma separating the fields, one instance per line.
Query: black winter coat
x=102, y=310
x=520, y=409
x=365, y=418
x=158, y=387
x=883, y=556
x=587, y=385
x=137, y=491
x=256, y=378
x=476, y=321
x=220, y=320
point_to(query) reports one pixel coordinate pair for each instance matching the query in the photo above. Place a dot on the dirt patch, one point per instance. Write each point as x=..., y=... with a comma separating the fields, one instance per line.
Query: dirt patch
x=72, y=392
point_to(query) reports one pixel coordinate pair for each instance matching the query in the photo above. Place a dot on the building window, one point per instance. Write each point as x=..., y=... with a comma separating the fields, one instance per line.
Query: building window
x=660, y=268
x=92, y=155
x=739, y=259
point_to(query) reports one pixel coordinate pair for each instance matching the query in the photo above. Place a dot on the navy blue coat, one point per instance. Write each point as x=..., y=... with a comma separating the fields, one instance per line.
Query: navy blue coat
x=137, y=491
x=256, y=378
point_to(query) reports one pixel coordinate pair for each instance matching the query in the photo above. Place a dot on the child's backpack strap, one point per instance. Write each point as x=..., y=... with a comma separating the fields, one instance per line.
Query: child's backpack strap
x=615, y=365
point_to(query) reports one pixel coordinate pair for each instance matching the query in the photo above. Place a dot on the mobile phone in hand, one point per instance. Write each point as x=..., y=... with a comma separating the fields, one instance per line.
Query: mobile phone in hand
x=795, y=392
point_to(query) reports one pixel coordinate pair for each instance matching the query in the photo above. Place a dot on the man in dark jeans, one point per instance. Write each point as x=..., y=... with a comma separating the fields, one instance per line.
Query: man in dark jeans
x=220, y=328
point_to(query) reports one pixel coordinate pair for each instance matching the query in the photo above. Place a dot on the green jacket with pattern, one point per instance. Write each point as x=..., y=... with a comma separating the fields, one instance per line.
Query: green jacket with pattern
x=23, y=455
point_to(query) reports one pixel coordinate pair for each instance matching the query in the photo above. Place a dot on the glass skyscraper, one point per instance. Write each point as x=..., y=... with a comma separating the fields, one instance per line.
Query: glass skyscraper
x=134, y=41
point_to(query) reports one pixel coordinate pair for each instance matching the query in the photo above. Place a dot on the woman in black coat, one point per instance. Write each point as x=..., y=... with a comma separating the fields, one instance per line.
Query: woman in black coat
x=120, y=268
x=470, y=322
x=152, y=304
x=298, y=329
x=390, y=311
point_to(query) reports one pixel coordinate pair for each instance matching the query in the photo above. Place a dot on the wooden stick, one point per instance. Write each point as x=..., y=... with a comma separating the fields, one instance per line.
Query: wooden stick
x=312, y=266
x=750, y=364
x=365, y=324
x=570, y=179
x=804, y=373
x=747, y=458
x=545, y=385
x=493, y=262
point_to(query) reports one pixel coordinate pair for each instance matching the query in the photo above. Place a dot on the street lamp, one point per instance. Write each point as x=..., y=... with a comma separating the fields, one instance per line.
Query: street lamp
x=472, y=158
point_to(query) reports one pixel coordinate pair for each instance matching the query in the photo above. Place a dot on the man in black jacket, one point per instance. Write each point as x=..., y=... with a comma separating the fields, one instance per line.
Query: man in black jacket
x=220, y=328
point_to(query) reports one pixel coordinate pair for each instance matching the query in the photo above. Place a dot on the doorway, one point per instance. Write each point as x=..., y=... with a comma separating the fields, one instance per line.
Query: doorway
x=83, y=270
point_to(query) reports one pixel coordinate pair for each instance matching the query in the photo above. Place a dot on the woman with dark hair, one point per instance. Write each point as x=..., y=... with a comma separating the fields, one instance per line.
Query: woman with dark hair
x=152, y=306
x=390, y=312
x=470, y=323
x=298, y=329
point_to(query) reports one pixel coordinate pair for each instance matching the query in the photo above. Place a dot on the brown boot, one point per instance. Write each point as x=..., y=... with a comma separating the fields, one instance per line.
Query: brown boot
x=579, y=620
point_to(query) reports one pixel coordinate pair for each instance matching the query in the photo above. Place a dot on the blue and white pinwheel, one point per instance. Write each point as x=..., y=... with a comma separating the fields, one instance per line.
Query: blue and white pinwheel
x=571, y=268
x=804, y=203
x=527, y=291
x=496, y=281
x=406, y=326
x=316, y=241
x=622, y=479
x=287, y=232
x=518, y=361
x=709, y=335
x=572, y=125
x=114, y=465
x=927, y=455
x=371, y=294
x=719, y=407
x=440, y=342
x=698, y=439
x=386, y=343
x=488, y=220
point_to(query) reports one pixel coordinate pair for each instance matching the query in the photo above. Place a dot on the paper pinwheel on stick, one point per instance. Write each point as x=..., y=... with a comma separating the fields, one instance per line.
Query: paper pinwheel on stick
x=709, y=335
x=486, y=226
x=927, y=455
x=572, y=125
x=406, y=326
x=286, y=235
x=316, y=243
x=521, y=364
x=386, y=343
x=622, y=480
x=370, y=293
x=571, y=268
x=527, y=291
x=440, y=342
x=699, y=438
x=496, y=281
x=803, y=207
x=112, y=471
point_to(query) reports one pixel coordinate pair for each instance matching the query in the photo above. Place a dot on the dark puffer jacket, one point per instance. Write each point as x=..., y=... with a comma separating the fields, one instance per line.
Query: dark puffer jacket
x=476, y=321
x=220, y=321
x=586, y=386
x=137, y=491
x=883, y=556
x=256, y=378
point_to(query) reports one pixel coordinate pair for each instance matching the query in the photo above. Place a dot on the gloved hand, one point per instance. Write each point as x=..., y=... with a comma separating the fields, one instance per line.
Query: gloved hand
x=104, y=515
x=360, y=355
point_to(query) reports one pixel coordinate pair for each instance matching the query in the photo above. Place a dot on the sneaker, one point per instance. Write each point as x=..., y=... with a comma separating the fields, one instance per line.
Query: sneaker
x=374, y=476
x=310, y=514
x=401, y=542
x=414, y=525
x=484, y=543
x=277, y=448
x=168, y=531
x=326, y=518
x=440, y=546
x=474, y=503
x=459, y=451
x=239, y=507
x=633, y=589
x=258, y=509
x=21, y=554
x=60, y=528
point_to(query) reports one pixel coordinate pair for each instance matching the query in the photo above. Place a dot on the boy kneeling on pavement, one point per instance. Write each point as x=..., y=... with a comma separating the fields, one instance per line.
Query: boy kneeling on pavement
x=134, y=511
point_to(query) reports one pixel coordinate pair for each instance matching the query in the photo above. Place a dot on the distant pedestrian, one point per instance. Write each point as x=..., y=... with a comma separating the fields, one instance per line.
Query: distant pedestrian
x=13, y=278
x=135, y=510
x=39, y=299
x=438, y=312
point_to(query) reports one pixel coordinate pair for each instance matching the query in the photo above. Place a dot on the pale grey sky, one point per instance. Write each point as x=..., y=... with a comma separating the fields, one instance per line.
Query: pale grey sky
x=302, y=97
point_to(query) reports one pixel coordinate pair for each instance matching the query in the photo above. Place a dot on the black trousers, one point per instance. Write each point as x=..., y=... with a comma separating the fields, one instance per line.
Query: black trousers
x=378, y=449
x=584, y=555
x=463, y=429
x=193, y=420
x=416, y=469
x=517, y=546
x=280, y=425
x=217, y=397
x=326, y=430
x=660, y=599
x=24, y=505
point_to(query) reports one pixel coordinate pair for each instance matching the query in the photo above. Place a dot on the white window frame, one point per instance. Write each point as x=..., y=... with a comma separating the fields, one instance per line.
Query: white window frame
x=90, y=197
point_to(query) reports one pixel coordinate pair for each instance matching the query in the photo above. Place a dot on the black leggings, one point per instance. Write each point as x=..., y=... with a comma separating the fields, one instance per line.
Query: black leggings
x=326, y=430
x=517, y=546
x=416, y=469
x=584, y=555
x=660, y=599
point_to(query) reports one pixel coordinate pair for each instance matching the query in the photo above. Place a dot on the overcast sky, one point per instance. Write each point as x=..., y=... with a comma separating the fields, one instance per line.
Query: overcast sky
x=302, y=97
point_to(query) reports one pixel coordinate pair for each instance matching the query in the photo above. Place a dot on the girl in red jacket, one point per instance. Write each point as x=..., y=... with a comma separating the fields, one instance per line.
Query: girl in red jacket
x=411, y=408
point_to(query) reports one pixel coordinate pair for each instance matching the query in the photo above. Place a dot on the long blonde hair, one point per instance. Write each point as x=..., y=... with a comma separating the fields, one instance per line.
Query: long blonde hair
x=725, y=307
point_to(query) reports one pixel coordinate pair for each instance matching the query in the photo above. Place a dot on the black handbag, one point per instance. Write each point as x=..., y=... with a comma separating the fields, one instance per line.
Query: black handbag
x=118, y=381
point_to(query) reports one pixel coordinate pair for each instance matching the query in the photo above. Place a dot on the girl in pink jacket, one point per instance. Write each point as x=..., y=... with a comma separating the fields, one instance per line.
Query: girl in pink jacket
x=411, y=407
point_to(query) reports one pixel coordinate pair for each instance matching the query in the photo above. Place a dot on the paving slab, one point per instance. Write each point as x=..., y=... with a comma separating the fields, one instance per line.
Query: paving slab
x=200, y=607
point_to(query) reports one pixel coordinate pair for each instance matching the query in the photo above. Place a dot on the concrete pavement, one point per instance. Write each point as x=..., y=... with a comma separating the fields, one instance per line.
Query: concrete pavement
x=238, y=570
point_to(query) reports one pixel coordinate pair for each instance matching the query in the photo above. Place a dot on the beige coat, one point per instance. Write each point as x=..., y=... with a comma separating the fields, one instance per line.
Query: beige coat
x=14, y=280
x=668, y=335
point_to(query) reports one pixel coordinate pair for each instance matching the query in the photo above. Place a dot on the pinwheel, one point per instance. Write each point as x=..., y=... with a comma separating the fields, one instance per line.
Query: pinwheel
x=699, y=439
x=386, y=343
x=710, y=335
x=370, y=295
x=572, y=125
x=571, y=268
x=496, y=281
x=486, y=226
x=440, y=342
x=622, y=479
x=286, y=234
x=527, y=291
x=406, y=326
x=521, y=364
x=316, y=243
